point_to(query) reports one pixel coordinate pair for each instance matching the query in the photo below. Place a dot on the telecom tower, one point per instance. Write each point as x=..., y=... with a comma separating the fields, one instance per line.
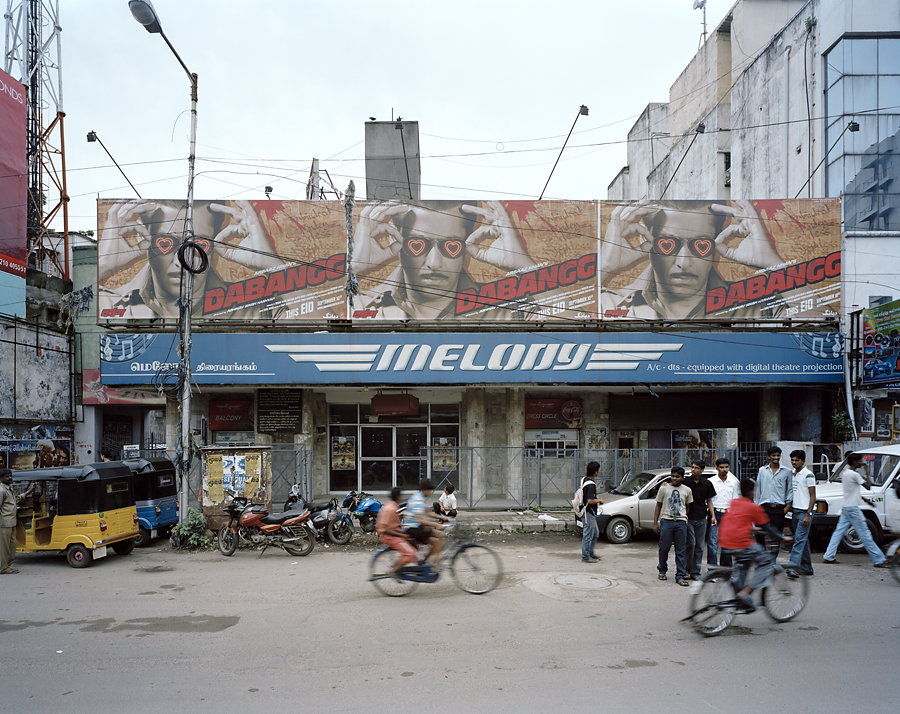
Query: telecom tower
x=33, y=56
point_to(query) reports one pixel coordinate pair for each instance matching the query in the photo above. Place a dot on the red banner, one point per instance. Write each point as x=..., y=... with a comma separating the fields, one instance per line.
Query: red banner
x=95, y=393
x=13, y=176
x=231, y=415
x=553, y=414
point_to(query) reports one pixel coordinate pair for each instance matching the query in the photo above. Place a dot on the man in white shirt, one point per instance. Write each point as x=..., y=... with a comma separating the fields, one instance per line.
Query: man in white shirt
x=851, y=515
x=727, y=487
x=446, y=504
x=803, y=505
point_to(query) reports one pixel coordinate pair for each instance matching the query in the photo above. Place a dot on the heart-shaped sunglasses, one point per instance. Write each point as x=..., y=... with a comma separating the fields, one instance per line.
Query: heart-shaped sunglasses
x=417, y=247
x=700, y=247
x=163, y=245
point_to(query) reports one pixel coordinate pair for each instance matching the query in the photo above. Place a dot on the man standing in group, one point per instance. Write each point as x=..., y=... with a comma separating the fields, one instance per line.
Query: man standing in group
x=727, y=488
x=773, y=491
x=7, y=524
x=670, y=522
x=590, y=531
x=702, y=493
x=851, y=515
x=803, y=505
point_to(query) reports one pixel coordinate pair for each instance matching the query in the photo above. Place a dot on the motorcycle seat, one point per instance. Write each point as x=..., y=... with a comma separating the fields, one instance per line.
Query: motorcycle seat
x=278, y=518
x=321, y=506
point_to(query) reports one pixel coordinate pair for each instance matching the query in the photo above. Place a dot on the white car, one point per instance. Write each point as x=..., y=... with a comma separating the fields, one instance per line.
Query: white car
x=629, y=507
x=882, y=465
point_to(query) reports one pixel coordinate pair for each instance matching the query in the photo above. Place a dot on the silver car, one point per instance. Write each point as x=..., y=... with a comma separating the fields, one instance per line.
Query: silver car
x=629, y=507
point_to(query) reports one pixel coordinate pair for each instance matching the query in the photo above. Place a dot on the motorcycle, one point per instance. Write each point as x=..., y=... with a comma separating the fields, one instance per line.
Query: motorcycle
x=364, y=507
x=251, y=523
x=326, y=518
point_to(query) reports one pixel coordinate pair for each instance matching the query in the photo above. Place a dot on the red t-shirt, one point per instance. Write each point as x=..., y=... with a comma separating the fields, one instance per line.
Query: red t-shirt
x=735, y=530
x=388, y=519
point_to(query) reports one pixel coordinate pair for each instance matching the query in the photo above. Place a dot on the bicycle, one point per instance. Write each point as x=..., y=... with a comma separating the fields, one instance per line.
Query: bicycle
x=475, y=568
x=714, y=603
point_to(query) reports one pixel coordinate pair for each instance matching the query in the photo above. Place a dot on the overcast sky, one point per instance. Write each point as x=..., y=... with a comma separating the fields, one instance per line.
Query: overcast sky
x=495, y=86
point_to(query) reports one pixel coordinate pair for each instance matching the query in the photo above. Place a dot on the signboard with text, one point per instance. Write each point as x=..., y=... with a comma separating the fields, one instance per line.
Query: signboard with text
x=881, y=345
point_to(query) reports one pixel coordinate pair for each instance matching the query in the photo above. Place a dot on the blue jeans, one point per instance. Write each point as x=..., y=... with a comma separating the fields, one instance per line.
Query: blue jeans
x=696, y=535
x=743, y=558
x=673, y=532
x=589, y=533
x=800, y=553
x=712, y=543
x=852, y=517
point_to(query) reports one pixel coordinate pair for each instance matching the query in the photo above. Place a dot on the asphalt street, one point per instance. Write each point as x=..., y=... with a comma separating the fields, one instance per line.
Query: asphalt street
x=161, y=630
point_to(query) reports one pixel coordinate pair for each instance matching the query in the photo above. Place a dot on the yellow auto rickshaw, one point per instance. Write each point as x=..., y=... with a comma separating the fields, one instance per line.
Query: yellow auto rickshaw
x=80, y=510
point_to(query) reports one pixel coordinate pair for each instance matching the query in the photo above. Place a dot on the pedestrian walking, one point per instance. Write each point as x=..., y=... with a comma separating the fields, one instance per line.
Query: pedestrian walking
x=727, y=488
x=670, y=522
x=803, y=505
x=699, y=511
x=590, y=531
x=773, y=493
x=851, y=515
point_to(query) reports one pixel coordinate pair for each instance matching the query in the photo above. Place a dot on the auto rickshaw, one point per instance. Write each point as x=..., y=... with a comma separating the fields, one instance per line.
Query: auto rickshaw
x=80, y=510
x=156, y=496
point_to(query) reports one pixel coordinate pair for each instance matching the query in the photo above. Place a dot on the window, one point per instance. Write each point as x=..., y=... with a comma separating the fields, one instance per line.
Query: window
x=863, y=85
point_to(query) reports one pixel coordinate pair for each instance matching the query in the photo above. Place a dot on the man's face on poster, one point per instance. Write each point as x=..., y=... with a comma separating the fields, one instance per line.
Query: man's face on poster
x=166, y=226
x=683, y=251
x=433, y=250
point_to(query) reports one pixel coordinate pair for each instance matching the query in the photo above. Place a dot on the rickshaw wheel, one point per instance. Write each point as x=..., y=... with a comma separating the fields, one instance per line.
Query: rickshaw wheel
x=143, y=539
x=124, y=547
x=78, y=556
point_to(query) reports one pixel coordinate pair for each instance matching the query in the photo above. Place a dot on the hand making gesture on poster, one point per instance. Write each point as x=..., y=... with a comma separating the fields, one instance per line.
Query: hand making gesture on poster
x=377, y=240
x=125, y=236
x=627, y=240
x=253, y=248
x=746, y=240
x=506, y=249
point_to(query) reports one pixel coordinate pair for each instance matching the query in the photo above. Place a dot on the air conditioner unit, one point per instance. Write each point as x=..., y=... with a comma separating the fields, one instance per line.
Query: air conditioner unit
x=395, y=405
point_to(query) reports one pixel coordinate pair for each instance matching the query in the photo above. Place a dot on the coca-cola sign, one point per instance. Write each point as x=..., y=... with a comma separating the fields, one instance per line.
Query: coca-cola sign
x=553, y=414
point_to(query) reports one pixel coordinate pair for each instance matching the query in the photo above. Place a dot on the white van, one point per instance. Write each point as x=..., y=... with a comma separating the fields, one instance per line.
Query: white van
x=882, y=466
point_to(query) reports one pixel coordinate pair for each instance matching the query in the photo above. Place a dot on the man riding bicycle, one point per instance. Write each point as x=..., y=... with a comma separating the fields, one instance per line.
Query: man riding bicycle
x=736, y=540
x=421, y=526
x=391, y=533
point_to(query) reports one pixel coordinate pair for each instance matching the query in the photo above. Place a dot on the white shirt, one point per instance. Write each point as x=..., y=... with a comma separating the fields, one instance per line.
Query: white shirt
x=851, y=482
x=803, y=479
x=448, y=501
x=725, y=490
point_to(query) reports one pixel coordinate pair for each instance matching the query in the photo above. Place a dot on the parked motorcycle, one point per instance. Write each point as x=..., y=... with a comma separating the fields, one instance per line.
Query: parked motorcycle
x=326, y=517
x=364, y=507
x=252, y=523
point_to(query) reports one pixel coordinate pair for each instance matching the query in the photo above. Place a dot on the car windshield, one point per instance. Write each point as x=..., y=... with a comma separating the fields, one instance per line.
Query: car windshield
x=878, y=467
x=632, y=485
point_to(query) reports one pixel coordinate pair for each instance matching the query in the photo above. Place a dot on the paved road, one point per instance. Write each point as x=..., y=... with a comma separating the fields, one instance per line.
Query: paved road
x=165, y=631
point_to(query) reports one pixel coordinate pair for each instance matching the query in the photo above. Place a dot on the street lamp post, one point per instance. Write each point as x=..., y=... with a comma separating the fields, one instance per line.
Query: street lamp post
x=144, y=13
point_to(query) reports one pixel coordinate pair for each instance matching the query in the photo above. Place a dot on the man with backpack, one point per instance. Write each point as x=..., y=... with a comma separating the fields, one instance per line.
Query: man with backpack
x=588, y=511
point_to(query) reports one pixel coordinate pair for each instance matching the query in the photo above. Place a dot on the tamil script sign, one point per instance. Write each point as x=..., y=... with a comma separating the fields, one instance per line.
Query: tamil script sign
x=493, y=358
x=487, y=261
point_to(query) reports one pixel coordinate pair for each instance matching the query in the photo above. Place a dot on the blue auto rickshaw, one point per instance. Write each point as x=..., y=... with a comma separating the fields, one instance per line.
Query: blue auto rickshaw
x=156, y=497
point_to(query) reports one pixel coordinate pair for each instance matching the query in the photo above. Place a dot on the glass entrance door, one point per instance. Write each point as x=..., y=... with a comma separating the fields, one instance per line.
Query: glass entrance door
x=392, y=455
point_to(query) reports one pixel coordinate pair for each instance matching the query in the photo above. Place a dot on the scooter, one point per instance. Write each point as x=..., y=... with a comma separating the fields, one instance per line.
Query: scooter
x=251, y=523
x=326, y=517
x=364, y=507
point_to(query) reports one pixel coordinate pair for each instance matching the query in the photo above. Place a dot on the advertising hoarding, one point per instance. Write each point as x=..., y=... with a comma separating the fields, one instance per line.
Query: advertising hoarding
x=491, y=261
x=721, y=259
x=881, y=345
x=13, y=196
x=495, y=358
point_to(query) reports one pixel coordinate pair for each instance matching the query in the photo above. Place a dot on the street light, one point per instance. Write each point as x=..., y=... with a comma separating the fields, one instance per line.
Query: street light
x=144, y=13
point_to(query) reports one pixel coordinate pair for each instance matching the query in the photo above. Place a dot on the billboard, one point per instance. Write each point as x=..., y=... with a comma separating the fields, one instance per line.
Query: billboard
x=456, y=358
x=490, y=261
x=13, y=196
x=721, y=259
x=268, y=260
x=881, y=345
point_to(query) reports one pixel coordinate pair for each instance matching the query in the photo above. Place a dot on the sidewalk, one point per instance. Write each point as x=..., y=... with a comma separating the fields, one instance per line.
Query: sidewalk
x=521, y=521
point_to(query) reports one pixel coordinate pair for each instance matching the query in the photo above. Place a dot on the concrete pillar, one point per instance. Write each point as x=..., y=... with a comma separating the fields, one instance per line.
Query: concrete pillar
x=770, y=414
x=314, y=418
x=472, y=484
x=595, y=429
x=515, y=440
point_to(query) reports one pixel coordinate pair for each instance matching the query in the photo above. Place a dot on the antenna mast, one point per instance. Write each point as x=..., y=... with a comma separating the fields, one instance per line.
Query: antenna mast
x=33, y=56
x=701, y=5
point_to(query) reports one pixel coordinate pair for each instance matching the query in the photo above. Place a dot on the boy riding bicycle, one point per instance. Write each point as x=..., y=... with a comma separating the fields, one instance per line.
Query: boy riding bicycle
x=736, y=540
x=391, y=533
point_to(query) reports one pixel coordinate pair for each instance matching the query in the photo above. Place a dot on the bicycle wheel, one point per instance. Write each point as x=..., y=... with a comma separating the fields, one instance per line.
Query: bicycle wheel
x=382, y=576
x=785, y=597
x=476, y=569
x=708, y=615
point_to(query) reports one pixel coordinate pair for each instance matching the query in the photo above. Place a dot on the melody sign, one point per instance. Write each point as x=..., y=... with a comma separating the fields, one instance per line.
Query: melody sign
x=495, y=358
